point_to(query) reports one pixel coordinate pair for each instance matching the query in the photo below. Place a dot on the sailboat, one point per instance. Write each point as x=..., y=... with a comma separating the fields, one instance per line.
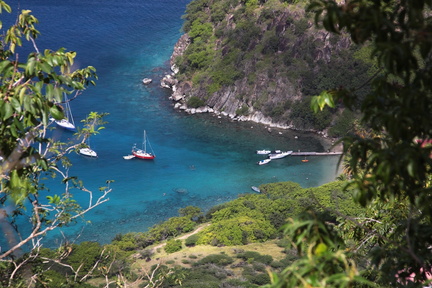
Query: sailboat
x=143, y=153
x=87, y=151
x=67, y=122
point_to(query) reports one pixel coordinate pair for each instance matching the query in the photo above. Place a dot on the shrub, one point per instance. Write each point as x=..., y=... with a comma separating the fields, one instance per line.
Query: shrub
x=173, y=246
x=231, y=283
x=191, y=240
x=221, y=260
x=259, y=267
x=195, y=102
x=255, y=256
x=277, y=265
x=244, y=110
x=260, y=279
x=146, y=253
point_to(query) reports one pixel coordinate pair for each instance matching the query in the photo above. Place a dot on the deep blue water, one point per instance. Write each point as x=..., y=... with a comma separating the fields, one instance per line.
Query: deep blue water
x=211, y=159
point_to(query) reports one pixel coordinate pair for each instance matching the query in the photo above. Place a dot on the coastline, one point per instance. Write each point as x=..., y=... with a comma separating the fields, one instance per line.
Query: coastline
x=179, y=94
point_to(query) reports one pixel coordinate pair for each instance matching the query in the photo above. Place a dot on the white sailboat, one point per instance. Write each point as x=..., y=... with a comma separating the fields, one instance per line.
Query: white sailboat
x=87, y=151
x=67, y=122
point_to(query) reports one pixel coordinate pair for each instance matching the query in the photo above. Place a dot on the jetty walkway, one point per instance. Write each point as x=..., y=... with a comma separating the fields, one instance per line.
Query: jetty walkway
x=315, y=153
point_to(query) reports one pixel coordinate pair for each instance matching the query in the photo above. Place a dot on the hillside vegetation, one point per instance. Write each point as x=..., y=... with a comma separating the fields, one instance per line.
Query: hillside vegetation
x=237, y=243
x=266, y=59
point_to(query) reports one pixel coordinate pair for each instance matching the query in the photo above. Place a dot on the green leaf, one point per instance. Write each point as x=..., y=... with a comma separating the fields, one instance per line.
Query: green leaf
x=56, y=112
x=16, y=105
x=320, y=249
x=7, y=110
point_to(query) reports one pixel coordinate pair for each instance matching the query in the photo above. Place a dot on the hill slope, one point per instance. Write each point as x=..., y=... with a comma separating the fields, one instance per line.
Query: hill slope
x=261, y=61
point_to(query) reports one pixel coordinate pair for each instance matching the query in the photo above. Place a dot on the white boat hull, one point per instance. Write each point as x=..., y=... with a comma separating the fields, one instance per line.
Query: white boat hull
x=263, y=162
x=87, y=152
x=279, y=155
x=64, y=123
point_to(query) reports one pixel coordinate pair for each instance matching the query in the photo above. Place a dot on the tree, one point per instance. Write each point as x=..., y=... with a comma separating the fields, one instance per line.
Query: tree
x=31, y=94
x=193, y=212
x=391, y=164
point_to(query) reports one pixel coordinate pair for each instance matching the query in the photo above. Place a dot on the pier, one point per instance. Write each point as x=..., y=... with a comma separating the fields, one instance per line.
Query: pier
x=315, y=153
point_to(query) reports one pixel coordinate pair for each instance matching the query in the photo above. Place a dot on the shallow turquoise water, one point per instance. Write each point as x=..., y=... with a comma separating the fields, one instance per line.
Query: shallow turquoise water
x=212, y=160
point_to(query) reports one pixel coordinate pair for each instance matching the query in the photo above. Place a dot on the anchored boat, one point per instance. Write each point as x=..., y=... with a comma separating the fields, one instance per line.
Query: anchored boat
x=143, y=153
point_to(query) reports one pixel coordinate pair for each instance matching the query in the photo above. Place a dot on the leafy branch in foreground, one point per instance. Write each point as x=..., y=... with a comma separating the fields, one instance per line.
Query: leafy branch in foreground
x=31, y=90
x=391, y=165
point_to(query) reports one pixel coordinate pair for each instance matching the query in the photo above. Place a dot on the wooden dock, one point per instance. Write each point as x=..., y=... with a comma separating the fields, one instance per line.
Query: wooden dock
x=315, y=153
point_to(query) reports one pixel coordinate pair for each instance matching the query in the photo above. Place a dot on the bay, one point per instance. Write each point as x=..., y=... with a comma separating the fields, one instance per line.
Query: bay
x=202, y=160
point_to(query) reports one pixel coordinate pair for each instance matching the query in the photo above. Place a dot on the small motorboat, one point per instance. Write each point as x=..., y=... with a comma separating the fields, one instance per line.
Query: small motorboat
x=279, y=155
x=264, y=161
x=128, y=157
x=256, y=189
x=263, y=152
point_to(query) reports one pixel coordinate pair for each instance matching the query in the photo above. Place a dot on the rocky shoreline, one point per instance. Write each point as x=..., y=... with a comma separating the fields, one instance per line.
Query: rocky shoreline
x=179, y=95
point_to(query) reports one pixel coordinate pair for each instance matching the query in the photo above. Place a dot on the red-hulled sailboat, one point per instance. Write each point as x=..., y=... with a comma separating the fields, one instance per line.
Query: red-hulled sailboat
x=143, y=153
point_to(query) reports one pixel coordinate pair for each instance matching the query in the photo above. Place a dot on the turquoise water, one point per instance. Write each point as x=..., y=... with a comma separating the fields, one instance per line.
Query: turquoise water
x=211, y=160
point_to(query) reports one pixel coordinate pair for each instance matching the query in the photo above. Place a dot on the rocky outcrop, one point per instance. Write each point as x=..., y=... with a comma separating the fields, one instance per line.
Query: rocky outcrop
x=261, y=95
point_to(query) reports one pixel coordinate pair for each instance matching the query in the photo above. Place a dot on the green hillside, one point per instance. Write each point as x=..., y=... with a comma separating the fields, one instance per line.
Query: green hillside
x=267, y=56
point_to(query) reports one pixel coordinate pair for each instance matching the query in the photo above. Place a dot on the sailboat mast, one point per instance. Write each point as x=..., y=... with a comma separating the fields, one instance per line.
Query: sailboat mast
x=144, y=143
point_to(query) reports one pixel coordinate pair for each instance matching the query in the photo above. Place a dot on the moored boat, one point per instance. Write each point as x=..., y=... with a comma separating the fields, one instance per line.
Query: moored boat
x=264, y=161
x=88, y=152
x=279, y=155
x=67, y=122
x=263, y=152
x=143, y=153
x=256, y=189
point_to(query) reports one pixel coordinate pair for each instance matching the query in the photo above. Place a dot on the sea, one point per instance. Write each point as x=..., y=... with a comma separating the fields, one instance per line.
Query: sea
x=201, y=160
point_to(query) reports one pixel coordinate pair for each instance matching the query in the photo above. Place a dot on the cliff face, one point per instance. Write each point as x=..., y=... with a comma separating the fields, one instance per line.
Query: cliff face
x=255, y=63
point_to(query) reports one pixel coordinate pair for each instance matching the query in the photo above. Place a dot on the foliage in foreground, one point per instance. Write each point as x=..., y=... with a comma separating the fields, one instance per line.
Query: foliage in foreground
x=33, y=90
x=388, y=245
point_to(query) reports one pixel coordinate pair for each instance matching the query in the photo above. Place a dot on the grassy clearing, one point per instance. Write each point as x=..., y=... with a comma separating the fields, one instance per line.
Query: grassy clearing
x=193, y=254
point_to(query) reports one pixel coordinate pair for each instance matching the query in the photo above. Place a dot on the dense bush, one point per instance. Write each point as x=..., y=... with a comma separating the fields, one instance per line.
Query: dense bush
x=303, y=117
x=255, y=256
x=343, y=125
x=191, y=240
x=195, y=102
x=172, y=227
x=173, y=246
x=242, y=111
x=237, y=231
x=260, y=279
x=84, y=255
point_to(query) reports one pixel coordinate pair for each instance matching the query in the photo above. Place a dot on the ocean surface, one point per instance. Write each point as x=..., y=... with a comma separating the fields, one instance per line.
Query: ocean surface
x=202, y=160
